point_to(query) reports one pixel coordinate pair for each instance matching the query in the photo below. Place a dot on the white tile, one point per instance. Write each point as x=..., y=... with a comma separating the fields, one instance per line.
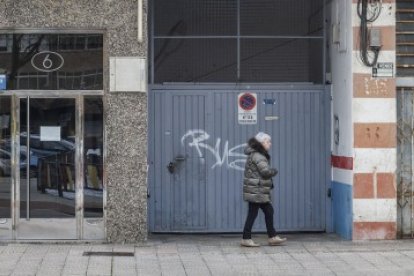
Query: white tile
x=375, y=210
x=374, y=110
x=375, y=160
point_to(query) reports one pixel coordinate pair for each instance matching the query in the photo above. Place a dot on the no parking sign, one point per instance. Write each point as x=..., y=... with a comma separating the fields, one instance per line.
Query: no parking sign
x=247, y=108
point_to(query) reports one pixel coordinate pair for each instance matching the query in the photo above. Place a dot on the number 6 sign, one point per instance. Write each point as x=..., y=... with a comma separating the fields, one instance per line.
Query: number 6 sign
x=47, y=61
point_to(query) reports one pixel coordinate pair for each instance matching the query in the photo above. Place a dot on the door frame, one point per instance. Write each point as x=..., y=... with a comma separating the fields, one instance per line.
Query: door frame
x=78, y=96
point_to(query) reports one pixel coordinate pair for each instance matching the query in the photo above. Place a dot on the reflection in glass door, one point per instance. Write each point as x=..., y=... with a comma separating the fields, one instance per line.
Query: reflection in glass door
x=5, y=168
x=93, y=184
x=48, y=189
x=51, y=168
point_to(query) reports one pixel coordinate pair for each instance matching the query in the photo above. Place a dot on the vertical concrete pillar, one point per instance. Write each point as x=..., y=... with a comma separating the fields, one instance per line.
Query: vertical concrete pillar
x=374, y=136
x=342, y=149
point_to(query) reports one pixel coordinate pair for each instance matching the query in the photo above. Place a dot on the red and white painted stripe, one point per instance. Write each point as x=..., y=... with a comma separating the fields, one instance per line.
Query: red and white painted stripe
x=374, y=117
x=342, y=169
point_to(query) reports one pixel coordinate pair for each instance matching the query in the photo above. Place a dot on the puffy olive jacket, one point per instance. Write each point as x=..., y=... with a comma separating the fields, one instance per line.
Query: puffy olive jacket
x=257, y=183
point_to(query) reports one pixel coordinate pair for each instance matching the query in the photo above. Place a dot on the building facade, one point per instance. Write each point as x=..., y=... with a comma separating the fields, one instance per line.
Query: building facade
x=120, y=207
x=121, y=118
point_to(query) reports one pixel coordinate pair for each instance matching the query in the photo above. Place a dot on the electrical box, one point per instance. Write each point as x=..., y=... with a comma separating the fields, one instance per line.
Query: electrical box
x=375, y=38
x=335, y=34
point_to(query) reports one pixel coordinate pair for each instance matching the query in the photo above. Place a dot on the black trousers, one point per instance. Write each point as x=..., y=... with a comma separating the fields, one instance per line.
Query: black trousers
x=267, y=209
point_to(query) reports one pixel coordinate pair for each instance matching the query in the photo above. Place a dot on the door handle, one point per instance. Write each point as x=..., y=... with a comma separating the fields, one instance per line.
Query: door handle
x=179, y=158
x=173, y=164
x=171, y=167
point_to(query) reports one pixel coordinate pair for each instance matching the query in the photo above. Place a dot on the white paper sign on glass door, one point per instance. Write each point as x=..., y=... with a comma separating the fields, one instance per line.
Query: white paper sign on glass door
x=50, y=133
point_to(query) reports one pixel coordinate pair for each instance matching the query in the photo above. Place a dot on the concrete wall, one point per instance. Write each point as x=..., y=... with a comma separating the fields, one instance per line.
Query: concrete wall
x=125, y=106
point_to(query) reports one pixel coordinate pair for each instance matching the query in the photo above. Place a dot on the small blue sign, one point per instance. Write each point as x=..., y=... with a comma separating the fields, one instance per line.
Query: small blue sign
x=3, y=82
x=269, y=101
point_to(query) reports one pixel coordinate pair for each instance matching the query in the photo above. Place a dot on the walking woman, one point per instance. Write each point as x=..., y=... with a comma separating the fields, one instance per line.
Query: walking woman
x=257, y=186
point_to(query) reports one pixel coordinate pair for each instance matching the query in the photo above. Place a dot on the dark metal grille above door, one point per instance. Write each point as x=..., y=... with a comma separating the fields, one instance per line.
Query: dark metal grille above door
x=405, y=38
x=237, y=41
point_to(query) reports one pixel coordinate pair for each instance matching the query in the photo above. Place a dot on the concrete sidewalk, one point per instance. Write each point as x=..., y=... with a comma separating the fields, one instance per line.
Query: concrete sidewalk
x=304, y=254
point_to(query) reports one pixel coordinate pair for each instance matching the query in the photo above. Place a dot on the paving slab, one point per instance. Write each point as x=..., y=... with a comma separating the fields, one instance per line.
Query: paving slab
x=303, y=254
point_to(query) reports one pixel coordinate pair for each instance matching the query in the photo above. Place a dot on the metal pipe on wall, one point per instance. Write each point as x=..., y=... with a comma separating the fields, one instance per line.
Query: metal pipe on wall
x=140, y=22
x=79, y=165
x=15, y=164
x=412, y=165
x=402, y=185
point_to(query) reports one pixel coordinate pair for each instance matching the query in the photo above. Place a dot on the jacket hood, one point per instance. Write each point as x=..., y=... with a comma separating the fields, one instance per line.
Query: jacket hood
x=255, y=146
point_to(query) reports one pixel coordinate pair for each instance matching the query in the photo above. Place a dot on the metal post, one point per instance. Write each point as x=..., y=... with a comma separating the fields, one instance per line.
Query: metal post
x=140, y=22
x=13, y=166
x=238, y=42
x=79, y=165
x=412, y=166
x=324, y=44
x=152, y=42
x=58, y=183
x=15, y=144
x=104, y=176
x=401, y=168
x=28, y=159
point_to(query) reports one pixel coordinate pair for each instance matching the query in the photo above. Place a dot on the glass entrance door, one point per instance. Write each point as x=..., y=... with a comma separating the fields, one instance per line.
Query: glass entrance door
x=47, y=190
x=51, y=167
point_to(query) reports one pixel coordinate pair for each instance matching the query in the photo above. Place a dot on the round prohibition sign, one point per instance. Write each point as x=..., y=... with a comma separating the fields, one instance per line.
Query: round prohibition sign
x=247, y=101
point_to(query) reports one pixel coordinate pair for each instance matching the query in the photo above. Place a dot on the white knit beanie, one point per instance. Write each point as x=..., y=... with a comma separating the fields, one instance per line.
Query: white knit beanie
x=261, y=136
